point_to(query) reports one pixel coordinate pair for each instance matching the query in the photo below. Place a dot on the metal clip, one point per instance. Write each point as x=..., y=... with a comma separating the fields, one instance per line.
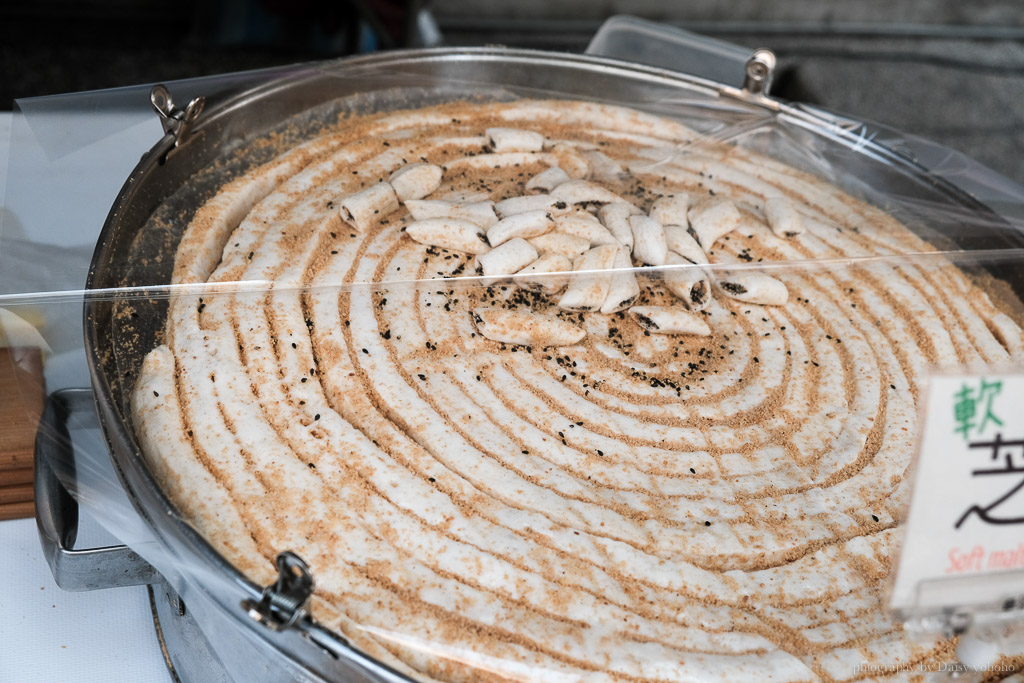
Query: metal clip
x=759, y=71
x=175, y=121
x=283, y=604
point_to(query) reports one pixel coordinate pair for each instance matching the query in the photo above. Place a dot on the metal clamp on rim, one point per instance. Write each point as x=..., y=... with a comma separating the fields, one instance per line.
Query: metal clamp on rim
x=283, y=604
x=176, y=123
x=759, y=72
x=757, y=81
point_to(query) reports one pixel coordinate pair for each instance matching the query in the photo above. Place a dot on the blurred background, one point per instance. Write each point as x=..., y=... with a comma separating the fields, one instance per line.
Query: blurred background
x=948, y=70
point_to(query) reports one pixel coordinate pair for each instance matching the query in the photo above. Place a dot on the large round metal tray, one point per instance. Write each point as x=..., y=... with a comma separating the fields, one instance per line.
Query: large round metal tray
x=139, y=238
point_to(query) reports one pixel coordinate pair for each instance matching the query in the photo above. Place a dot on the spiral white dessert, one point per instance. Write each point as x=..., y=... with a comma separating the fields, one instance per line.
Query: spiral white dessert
x=690, y=476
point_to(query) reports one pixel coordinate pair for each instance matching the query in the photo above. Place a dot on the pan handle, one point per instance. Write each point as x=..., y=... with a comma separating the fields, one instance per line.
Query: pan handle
x=57, y=511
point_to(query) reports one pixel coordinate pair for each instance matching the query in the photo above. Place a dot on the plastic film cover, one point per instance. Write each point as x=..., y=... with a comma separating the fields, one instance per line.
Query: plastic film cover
x=613, y=377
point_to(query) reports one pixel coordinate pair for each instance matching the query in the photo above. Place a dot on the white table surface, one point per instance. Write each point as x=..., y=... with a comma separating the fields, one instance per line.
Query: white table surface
x=47, y=634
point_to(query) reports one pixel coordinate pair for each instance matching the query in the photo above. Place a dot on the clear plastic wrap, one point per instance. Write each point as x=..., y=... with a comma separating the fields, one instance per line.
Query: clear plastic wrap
x=488, y=476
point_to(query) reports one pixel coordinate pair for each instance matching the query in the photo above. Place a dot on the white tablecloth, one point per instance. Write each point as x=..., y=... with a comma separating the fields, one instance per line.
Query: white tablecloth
x=51, y=636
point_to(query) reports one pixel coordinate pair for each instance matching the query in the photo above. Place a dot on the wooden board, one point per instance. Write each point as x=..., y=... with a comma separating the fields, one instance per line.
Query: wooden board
x=17, y=510
x=22, y=393
x=13, y=477
x=15, y=494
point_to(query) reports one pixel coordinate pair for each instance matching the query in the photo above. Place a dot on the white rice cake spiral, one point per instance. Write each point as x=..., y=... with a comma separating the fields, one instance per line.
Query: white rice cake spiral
x=623, y=506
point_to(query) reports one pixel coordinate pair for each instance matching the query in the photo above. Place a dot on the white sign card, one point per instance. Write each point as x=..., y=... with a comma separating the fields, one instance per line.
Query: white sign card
x=964, y=534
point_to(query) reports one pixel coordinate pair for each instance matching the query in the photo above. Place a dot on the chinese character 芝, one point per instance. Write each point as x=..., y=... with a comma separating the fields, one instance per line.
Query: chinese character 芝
x=1001, y=510
x=965, y=408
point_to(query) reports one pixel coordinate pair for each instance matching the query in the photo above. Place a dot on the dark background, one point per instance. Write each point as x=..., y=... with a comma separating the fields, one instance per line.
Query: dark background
x=949, y=70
